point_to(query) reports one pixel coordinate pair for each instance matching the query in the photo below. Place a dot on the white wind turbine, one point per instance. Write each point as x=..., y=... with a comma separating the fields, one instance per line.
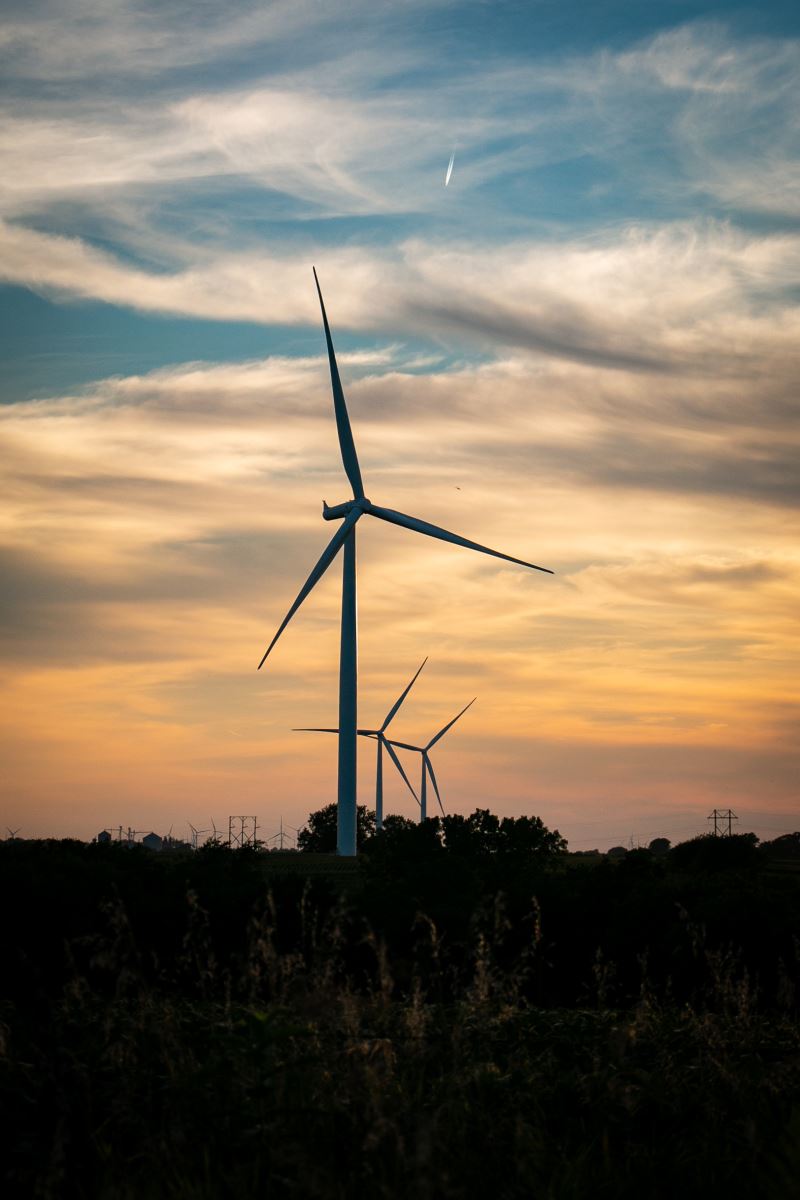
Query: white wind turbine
x=350, y=512
x=383, y=741
x=427, y=765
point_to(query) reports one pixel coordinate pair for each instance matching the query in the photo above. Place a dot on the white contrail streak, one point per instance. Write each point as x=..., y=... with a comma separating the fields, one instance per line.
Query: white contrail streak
x=449, y=168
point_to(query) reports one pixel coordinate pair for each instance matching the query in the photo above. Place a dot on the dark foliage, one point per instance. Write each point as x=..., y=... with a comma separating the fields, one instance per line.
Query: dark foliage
x=709, y=853
x=785, y=847
x=319, y=833
x=466, y=1012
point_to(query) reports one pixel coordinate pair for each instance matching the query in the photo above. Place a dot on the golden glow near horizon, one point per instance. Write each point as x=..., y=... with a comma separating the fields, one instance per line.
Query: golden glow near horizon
x=157, y=528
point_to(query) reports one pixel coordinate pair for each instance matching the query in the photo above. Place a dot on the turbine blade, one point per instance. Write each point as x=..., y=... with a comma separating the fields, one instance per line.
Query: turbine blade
x=346, y=443
x=399, y=766
x=326, y=558
x=429, y=765
x=397, y=703
x=317, y=729
x=398, y=518
x=449, y=725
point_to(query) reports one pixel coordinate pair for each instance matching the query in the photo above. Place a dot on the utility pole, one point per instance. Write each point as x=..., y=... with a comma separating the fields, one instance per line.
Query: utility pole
x=721, y=819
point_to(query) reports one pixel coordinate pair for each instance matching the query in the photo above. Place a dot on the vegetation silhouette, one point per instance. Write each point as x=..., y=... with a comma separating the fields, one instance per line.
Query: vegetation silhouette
x=468, y=1010
x=318, y=836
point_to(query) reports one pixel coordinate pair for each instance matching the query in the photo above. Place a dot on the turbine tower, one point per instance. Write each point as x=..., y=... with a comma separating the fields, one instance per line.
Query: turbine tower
x=383, y=741
x=427, y=765
x=349, y=513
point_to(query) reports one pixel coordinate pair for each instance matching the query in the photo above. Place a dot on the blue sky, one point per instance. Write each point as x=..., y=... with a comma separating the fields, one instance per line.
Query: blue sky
x=145, y=131
x=595, y=326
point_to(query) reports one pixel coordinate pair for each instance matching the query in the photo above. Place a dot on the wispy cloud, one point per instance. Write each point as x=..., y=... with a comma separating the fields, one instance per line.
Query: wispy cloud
x=696, y=299
x=131, y=38
x=348, y=130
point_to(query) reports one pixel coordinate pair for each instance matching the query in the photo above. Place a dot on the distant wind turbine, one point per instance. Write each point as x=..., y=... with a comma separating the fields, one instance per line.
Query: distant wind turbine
x=382, y=740
x=196, y=834
x=350, y=512
x=427, y=765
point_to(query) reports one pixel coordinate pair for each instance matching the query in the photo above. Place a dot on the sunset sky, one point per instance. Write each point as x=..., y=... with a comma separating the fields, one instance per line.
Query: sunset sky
x=584, y=352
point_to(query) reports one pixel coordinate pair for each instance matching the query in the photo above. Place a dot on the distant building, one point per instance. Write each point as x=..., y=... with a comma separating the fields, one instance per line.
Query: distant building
x=153, y=842
x=104, y=836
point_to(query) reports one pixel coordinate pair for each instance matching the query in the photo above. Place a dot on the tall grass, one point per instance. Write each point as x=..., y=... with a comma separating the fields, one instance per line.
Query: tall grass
x=317, y=1063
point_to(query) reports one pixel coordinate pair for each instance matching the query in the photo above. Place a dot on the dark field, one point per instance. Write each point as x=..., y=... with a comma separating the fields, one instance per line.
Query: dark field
x=421, y=1024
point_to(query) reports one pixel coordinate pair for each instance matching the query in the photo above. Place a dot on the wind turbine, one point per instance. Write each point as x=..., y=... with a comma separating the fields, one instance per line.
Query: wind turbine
x=427, y=765
x=196, y=833
x=382, y=740
x=12, y=833
x=281, y=836
x=350, y=512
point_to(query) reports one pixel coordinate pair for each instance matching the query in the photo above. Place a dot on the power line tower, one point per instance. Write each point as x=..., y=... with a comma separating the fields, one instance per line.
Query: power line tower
x=242, y=832
x=722, y=819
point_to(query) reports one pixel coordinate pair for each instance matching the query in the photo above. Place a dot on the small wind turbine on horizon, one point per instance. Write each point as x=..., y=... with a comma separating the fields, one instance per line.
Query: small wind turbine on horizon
x=196, y=833
x=383, y=741
x=350, y=512
x=281, y=836
x=427, y=765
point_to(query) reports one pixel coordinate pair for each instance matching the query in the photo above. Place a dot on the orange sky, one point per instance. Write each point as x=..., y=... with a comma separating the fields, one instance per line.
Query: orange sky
x=157, y=529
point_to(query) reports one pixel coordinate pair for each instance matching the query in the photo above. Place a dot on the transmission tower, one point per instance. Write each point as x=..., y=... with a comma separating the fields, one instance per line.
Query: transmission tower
x=242, y=832
x=723, y=821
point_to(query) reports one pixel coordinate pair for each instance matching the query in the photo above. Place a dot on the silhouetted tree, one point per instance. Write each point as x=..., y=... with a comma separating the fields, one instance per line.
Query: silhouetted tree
x=484, y=835
x=318, y=836
x=442, y=865
x=709, y=853
x=394, y=823
x=659, y=845
x=529, y=835
x=785, y=846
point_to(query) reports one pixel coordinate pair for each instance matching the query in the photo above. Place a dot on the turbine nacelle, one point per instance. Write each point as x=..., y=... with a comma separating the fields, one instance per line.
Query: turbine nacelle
x=337, y=511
